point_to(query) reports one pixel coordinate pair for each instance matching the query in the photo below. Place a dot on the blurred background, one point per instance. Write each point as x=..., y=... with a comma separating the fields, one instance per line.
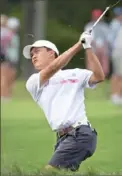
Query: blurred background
x=62, y=22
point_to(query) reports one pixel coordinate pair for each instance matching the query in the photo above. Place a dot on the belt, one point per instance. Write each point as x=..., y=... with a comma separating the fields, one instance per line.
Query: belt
x=79, y=123
x=64, y=131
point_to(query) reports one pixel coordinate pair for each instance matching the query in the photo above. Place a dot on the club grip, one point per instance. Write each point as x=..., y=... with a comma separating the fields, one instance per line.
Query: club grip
x=83, y=41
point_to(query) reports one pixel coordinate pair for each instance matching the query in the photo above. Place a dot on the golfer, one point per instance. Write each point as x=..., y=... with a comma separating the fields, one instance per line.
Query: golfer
x=60, y=94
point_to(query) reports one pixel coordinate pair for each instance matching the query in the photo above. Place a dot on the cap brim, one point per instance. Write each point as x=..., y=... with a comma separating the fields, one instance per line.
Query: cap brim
x=26, y=51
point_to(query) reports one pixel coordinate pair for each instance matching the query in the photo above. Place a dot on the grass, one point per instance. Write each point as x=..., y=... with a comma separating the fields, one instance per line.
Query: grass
x=27, y=140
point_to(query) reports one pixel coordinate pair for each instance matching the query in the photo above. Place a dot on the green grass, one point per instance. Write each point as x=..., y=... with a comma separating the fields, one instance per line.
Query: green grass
x=27, y=140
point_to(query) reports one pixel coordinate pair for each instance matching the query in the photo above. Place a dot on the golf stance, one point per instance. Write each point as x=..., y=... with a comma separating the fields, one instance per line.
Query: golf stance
x=60, y=94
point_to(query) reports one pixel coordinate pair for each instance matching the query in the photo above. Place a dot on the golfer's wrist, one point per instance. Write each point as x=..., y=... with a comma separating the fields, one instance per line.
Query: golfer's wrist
x=86, y=46
x=79, y=43
x=88, y=51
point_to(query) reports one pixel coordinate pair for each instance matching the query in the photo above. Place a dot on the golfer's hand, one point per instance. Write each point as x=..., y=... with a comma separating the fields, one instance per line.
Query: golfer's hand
x=86, y=39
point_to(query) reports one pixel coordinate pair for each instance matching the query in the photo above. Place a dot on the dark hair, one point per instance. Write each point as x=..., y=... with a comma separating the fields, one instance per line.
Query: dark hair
x=48, y=49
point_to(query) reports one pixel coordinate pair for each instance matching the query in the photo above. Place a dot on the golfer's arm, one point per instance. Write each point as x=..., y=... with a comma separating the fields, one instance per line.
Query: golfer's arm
x=95, y=66
x=59, y=63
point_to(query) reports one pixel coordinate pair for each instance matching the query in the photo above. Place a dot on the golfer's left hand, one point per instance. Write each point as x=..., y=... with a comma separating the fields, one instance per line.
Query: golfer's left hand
x=87, y=38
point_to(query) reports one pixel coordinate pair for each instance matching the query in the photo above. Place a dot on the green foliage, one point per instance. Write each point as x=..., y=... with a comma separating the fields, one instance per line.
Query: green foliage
x=64, y=37
x=74, y=12
x=61, y=34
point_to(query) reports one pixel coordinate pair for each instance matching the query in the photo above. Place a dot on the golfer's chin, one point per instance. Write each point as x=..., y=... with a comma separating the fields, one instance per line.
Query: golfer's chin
x=38, y=67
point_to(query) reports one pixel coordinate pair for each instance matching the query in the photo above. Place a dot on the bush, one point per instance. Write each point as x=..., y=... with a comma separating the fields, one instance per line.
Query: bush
x=64, y=37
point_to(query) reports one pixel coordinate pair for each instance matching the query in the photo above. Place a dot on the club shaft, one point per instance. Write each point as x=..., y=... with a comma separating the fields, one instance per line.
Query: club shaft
x=107, y=8
x=100, y=18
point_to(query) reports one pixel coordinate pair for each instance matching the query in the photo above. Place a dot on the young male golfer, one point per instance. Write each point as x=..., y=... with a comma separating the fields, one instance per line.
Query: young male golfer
x=60, y=94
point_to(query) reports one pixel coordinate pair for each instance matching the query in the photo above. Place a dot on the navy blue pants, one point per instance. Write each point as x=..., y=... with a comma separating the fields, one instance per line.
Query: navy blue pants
x=74, y=147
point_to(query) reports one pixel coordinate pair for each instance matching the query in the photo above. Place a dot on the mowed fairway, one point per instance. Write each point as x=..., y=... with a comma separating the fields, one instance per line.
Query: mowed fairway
x=27, y=140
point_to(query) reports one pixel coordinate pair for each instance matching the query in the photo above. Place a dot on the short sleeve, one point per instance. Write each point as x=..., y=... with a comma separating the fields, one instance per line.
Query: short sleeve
x=33, y=86
x=84, y=76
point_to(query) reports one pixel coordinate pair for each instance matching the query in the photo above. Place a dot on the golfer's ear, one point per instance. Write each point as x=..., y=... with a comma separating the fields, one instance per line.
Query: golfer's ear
x=51, y=53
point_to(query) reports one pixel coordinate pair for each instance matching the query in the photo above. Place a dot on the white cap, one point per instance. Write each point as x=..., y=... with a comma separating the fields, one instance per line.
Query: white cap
x=39, y=43
x=13, y=23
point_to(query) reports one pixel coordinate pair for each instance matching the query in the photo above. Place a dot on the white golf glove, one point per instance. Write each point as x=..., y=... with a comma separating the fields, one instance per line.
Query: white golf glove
x=87, y=38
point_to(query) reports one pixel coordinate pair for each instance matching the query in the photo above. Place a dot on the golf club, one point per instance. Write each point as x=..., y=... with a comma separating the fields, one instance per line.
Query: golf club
x=101, y=16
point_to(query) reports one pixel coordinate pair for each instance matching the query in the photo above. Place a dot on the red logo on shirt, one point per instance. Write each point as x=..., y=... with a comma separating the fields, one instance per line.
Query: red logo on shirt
x=69, y=81
x=64, y=81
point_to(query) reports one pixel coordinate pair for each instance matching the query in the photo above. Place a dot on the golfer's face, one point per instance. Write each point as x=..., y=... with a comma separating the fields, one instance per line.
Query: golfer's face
x=40, y=57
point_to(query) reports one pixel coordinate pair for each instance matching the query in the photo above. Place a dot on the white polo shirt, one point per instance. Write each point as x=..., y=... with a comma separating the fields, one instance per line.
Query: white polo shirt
x=62, y=96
